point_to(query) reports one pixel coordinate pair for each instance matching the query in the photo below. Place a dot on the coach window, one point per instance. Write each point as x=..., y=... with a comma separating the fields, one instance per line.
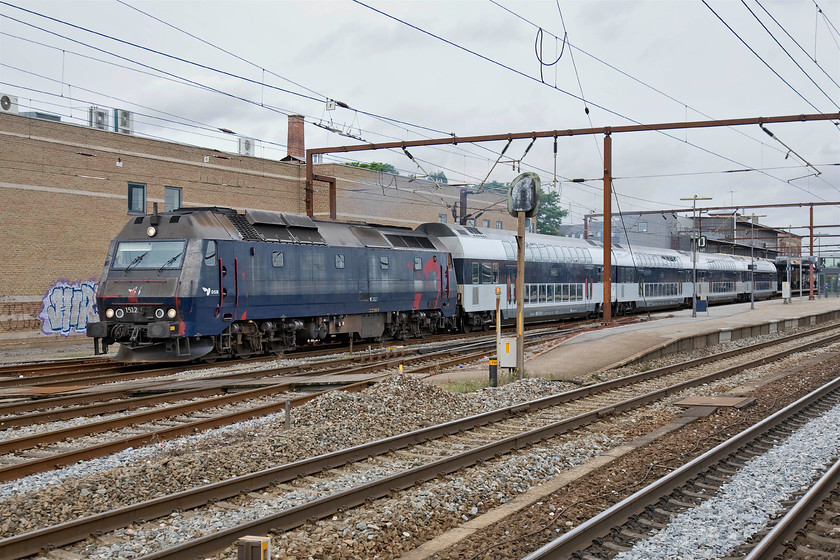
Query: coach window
x=339, y=261
x=418, y=263
x=210, y=253
x=475, y=275
x=136, y=199
x=383, y=263
x=171, y=198
x=277, y=259
x=486, y=273
x=495, y=273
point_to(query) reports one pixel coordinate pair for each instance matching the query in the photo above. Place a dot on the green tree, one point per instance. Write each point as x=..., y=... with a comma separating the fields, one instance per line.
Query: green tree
x=376, y=166
x=495, y=186
x=439, y=176
x=550, y=215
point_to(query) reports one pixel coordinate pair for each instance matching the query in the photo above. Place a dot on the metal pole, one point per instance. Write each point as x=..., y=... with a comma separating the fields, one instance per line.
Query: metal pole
x=695, y=238
x=694, y=258
x=752, y=264
x=607, y=275
x=520, y=294
x=811, y=253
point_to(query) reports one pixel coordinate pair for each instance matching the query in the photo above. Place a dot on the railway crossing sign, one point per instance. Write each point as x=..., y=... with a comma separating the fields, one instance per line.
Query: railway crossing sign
x=524, y=195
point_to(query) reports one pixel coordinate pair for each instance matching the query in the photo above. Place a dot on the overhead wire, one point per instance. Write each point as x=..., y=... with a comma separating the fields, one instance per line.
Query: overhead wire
x=773, y=70
x=571, y=47
x=812, y=58
x=807, y=75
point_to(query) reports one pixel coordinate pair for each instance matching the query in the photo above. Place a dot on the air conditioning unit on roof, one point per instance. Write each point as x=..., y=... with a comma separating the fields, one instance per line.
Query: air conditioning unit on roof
x=98, y=118
x=246, y=146
x=8, y=104
x=123, y=121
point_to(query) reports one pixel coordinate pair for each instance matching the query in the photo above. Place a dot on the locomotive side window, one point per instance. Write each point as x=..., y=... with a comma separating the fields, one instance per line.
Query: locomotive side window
x=339, y=261
x=383, y=263
x=277, y=259
x=210, y=254
x=418, y=263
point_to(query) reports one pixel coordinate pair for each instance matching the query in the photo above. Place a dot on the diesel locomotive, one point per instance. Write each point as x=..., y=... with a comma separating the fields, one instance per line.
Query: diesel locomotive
x=203, y=283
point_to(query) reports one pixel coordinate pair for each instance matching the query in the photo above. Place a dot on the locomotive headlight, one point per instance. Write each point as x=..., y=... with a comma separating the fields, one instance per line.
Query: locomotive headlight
x=171, y=313
x=109, y=313
x=159, y=313
x=151, y=231
x=119, y=313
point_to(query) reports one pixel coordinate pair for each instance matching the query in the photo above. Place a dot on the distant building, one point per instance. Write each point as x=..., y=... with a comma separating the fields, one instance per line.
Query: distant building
x=727, y=233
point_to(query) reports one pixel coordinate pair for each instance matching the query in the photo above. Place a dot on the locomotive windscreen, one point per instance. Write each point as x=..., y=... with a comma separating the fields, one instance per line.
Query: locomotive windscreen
x=158, y=255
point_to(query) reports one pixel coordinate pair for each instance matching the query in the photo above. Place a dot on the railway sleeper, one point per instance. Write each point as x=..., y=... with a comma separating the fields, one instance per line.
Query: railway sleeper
x=806, y=552
x=820, y=542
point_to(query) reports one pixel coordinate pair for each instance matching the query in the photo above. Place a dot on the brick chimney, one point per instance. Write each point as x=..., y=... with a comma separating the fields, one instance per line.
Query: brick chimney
x=296, y=146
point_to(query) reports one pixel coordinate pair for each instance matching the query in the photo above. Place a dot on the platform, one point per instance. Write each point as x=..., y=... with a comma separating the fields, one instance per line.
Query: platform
x=672, y=331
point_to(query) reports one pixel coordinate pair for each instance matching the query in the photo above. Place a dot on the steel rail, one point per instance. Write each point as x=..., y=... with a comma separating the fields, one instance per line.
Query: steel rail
x=66, y=533
x=32, y=466
x=583, y=535
x=35, y=368
x=120, y=405
x=773, y=543
x=123, y=373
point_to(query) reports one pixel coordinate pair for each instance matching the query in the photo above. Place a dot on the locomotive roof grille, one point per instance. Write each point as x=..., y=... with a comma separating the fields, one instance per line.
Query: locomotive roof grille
x=244, y=227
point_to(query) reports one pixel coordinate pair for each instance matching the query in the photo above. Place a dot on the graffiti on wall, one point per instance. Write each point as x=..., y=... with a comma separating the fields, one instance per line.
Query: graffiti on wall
x=69, y=307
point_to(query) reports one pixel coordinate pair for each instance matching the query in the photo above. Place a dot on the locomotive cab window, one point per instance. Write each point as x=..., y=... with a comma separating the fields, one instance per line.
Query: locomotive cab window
x=277, y=259
x=160, y=255
x=210, y=253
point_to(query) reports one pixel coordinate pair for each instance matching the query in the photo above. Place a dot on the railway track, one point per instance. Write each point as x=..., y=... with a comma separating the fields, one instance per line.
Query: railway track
x=239, y=384
x=701, y=494
x=232, y=400
x=426, y=454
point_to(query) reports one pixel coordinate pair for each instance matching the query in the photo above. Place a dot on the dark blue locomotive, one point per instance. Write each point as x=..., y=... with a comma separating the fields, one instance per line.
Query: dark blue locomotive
x=209, y=282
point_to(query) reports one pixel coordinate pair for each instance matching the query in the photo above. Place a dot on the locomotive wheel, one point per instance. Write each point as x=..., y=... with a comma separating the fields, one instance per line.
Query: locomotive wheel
x=465, y=327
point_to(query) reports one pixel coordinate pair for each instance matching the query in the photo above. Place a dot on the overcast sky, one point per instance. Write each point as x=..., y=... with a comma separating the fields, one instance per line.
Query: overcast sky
x=411, y=70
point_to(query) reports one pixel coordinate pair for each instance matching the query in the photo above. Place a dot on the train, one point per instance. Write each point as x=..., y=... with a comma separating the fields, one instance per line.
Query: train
x=204, y=283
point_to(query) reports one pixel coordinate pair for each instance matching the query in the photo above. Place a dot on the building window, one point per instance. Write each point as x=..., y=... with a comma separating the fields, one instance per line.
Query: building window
x=441, y=218
x=471, y=222
x=529, y=225
x=485, y=223
x=137, y=199
x=499, y=225
x=171, y=198
x=642, y=227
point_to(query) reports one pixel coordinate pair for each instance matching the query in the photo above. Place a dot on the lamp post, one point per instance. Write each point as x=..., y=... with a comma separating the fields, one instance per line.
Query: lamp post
x=694, y=239
x=752, y=218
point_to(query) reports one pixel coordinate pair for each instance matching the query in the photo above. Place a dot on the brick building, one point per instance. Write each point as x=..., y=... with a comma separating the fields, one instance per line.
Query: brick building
x=67, y=190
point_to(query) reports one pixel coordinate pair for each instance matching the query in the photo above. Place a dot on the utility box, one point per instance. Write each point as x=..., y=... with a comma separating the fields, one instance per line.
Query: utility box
x=507, y=352
x=253, y=548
